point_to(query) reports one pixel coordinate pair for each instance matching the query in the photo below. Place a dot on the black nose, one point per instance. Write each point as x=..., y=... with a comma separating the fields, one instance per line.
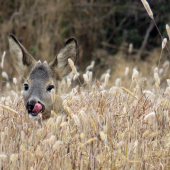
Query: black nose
x=30, y=106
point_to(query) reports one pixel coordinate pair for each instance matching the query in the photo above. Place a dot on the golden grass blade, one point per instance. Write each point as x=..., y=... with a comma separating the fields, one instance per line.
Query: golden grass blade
x=126, y=90
x=7, y=108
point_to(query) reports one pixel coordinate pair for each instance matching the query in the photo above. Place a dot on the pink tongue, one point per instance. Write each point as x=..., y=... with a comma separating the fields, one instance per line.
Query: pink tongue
x=37, y=108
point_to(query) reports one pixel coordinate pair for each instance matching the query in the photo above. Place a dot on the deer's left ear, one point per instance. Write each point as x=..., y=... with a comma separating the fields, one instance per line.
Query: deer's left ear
x=60, y=65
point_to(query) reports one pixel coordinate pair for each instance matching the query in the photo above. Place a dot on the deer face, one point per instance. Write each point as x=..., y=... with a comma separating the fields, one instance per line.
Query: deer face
x=41, y=78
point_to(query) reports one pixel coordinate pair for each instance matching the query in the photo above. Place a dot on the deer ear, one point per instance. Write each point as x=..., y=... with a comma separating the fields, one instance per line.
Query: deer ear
x=22, y=60
x=59, y=65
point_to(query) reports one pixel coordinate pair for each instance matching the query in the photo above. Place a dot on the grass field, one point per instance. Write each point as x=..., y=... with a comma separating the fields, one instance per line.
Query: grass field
x=120, y=125
x=106, y=128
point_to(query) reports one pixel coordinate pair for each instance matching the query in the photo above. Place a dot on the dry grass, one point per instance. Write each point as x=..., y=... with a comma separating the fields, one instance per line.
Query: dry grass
x=125, y=126
x=121, y=127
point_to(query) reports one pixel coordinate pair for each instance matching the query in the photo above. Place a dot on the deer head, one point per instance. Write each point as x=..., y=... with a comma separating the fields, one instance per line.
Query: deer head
x=41, y=78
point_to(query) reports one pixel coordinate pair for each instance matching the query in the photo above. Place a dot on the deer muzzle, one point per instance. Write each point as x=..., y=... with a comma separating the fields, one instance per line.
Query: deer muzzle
x=34, y=108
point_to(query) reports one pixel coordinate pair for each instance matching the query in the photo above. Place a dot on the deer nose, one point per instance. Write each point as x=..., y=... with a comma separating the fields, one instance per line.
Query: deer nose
x=34, y=107
x=30, y=105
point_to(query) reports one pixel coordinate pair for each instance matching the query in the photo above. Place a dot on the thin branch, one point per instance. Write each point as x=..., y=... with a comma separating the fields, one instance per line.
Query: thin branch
x=121, y=48
x=145, y=39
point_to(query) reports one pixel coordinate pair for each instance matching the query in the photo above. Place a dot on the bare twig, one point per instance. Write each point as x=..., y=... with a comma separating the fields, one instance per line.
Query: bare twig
x=121, y=48
x=145, y=39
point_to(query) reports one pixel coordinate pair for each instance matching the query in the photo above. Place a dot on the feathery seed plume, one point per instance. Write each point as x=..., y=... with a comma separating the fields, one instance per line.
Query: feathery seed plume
x=76, y=76
x=90, y=75
x=5, y=75
x=85, y=78
x=53, y=95
x=15, y=80
x=68, y=81
x=118, y=82
x=76, y=120
x=91, y=66
x=106, y=79
x=147, y=7
x=126, y=71
x=71, y=63
x=8, y=85
x=156, y=76
x=135, y=75
x=168, y=30
x=130, y=48
x=156, y=70
x=3, y=57
x=164, y=43
x=168, y=82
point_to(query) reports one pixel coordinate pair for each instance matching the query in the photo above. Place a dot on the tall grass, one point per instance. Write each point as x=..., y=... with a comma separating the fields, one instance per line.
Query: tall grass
x=125, y=126
x=106, y=128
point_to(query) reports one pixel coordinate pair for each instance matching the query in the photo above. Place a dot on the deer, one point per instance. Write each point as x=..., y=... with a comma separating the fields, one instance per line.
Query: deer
x=40, y=78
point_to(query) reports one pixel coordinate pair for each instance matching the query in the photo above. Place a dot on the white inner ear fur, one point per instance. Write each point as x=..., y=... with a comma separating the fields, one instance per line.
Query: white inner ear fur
x=17, y=56
x=65, y=53
x=15, y=49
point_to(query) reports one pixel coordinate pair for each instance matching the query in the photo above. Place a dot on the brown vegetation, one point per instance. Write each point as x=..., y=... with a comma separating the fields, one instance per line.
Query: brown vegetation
x=105, y=129
x=125, y=126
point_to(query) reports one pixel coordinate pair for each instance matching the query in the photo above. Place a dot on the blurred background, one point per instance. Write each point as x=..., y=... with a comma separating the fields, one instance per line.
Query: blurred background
x=103, y=28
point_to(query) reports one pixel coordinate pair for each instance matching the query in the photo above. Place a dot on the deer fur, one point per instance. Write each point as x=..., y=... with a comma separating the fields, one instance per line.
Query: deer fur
x=41, y=78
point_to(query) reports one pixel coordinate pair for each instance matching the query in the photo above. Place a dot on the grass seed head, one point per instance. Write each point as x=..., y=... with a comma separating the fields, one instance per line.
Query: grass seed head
x=107, y=76
x=53, y=95
x=164, y=43
x=135, y=75
x=3, y=157
x=63, y=124
x=156, y=76
x=57, y=145
x=126, y=71
x=118, y=82
x=156, y=70
x=8, y=85
x=15, y=80
x=90, y=75
x=51, y=140
x=130, y=48
x=102, y=136
x=86, y=79
x=76, y=76
x=91, y=140
x=120, y=144
x=5, y=75
x=145, y=134
x=81, y=135
x=90, y=66
x=39, y=152
x=68, y=81
x=150, y=115
x=168, y=30
x=6, y=131
x=2, y=136
x=71, y=63
x=59, y=120
x=161, y=71
x=166, y=64
x=14, y=157
x=168, y=82
x=168, y=90
x=76, y=120
x=147, y=7
x=2, y=61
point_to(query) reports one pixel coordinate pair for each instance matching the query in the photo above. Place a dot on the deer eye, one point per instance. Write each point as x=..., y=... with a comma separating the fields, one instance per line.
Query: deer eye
x=49, y=88
x=26, y=87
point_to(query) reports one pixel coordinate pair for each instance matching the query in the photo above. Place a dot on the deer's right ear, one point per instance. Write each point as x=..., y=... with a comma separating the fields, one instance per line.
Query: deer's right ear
x=22, y=60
